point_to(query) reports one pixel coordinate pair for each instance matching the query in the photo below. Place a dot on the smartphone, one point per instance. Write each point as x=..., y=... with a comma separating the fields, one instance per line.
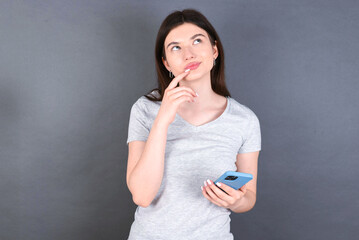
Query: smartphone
x=234, y=179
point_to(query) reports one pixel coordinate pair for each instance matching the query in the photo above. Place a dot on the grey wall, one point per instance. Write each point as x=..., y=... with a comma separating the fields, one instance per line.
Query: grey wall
x=71, y=70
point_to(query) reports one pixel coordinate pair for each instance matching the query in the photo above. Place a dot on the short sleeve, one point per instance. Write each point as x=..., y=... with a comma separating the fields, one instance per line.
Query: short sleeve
x=252, y=138
x=137, y=127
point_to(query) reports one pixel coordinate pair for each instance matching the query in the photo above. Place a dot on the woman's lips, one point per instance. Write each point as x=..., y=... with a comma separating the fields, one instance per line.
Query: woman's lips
x=192, y=66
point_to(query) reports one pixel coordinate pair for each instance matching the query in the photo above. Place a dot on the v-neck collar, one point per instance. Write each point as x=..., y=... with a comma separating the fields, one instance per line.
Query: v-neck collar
x=208, y=123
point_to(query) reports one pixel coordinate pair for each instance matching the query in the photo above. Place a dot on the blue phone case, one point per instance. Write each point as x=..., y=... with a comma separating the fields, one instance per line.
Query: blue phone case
x=234, y=179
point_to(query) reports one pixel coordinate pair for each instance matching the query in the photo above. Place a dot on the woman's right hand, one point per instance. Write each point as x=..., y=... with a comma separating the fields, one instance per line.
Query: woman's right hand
x=172, y=99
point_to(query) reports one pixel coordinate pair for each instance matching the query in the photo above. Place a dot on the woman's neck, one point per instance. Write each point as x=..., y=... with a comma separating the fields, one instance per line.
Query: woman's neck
x=206, y=96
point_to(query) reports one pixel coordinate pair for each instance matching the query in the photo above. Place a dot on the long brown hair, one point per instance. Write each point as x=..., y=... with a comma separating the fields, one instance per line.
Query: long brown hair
x=173, y=20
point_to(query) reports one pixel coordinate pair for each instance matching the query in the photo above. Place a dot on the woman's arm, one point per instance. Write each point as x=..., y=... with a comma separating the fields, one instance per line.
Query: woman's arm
x=246, y=203
x=145, y=179
x=247, y=163
x=145, y=174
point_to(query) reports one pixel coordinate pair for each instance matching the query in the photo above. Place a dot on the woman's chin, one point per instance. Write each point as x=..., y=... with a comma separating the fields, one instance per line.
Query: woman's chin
x=192, y=76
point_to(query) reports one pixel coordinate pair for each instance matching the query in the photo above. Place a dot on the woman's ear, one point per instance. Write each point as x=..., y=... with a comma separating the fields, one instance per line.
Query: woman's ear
x=215, y=49
x=166, y=64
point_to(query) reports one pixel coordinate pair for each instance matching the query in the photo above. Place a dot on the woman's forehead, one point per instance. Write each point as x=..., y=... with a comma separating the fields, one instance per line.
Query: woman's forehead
x=184, y=32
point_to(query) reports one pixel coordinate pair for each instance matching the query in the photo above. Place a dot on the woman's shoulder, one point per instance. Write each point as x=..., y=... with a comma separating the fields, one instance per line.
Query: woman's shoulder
x=240, y=109
x=144, y=103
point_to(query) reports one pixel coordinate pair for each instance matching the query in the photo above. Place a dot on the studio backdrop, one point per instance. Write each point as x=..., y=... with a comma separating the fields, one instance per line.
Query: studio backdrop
x=71, y=70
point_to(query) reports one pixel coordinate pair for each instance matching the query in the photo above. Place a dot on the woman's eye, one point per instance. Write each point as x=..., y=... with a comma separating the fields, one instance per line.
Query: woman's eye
x=199, y=40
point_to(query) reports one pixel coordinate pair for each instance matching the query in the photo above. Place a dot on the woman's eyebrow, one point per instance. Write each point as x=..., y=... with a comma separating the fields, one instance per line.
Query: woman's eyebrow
x=194, y=36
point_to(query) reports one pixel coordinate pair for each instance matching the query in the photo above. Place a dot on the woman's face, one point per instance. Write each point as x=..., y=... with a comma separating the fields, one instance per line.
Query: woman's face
x=188, y=44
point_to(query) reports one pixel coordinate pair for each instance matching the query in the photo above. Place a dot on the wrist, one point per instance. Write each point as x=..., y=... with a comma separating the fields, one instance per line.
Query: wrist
x=159, y=123
x=246, y=203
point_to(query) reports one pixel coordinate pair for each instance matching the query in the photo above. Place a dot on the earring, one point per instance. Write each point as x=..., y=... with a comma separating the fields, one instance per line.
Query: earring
x=170, y=74
x=214, y=61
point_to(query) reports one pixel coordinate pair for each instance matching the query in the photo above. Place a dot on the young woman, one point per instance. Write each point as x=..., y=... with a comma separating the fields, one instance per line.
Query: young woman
x=185, y=134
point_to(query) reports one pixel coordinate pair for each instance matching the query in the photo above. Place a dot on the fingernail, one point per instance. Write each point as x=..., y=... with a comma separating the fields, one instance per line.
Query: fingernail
x=209, y=182
x=201, y=188
x=187, y=70
x=197, y=94
x=218, y=184
x=205, y=183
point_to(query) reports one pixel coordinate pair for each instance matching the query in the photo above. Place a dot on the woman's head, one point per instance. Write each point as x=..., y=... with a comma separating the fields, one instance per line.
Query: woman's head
x=186, y=45
x=204, y=48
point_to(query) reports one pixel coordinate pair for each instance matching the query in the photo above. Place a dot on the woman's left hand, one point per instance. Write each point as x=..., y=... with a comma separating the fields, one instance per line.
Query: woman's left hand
x=228, y=199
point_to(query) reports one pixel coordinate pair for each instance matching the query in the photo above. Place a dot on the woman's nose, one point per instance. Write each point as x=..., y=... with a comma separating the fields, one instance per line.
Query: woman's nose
x=188, y=53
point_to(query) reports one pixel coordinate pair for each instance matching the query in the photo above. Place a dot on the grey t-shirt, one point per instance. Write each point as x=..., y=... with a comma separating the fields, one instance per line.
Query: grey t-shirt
x=193, y=154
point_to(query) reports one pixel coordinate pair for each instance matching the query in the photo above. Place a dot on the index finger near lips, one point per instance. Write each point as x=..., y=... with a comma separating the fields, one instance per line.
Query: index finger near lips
x=174, y=81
